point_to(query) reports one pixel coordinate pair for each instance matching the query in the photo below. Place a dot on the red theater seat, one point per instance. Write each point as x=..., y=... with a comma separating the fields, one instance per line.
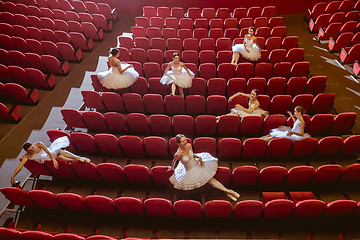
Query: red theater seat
x=218, y=209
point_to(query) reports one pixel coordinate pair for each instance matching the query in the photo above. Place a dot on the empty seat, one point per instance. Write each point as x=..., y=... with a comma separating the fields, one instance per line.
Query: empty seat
x=100, y=204
x=158, y=207
x=156, y=146
x=218, y=209
x=248, y=209
x=132, y=145
x=273, y=175
x=188, y=208
x=129, y=206
x=137, y=173
x=109, y=144
x=327, y=174
x=174, y=104
x=299, y=175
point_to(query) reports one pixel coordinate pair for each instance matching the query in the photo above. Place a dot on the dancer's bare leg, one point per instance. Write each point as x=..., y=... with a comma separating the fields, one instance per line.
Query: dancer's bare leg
x=173, y=88
x=70, y=155
x=230, y=193
x=62, y=157
x=267, y=137
x=181, y=90
x=230, y=113
x=235, y=58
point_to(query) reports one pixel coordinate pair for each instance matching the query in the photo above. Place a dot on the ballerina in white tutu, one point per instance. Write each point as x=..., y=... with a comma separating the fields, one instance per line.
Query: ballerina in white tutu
x=191, y=173
x=39, y=153
x=177, y=74
x=296, y=133
x=253, y=109
x=120, y=75
x=250, y=49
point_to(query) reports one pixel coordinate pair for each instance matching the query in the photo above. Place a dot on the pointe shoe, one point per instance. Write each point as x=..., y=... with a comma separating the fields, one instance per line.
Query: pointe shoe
x=231, y=197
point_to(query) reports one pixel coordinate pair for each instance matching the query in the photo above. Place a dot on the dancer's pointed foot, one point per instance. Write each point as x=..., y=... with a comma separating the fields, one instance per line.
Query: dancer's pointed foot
x=231, y=197
x=235, y=194
x=84, y=160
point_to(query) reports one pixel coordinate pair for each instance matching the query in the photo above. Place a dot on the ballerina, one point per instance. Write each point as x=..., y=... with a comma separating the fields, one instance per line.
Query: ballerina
x=250, y=49
x=191, y=173
x=39, y=153
x=179, y=75
x=254, y=106
x=120, y=75
x=296, y=133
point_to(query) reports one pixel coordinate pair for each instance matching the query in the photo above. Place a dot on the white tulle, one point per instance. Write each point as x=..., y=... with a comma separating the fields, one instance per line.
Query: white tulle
x=54, y=149
x=282, y=132
x=113, y=79
x=189, y=174
x=253, y=52
x=179, y=76
x=258, y=111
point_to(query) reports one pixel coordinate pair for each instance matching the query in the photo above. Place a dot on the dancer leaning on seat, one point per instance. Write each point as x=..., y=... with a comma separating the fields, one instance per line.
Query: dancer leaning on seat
x=296, y=133
x=250, y=49
x=39, y=153
x=253, y=109
x=177, y=74
x=191, y=173
x=120, y=75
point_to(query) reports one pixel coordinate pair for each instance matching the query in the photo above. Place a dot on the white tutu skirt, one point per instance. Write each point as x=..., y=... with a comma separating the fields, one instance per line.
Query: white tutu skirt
x=197, y=176
x=113, y=79
x=54, y=149
x=257, y=112
x=254, y=53
x=282, y=132
x=181, y=79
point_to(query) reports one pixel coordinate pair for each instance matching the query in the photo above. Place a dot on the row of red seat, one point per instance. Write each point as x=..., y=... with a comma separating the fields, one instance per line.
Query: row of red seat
x=199, y=33
x=209, y=13
x=344, y=40
x=76, y=6
x=225, y=70
x=77, y=40
x=14, y=92
x=21, y=234
x=203, y=125
x=26, y=77
x=20, y=9
x=86, y=28
x=133, y=146
x=61, y=50
x=155, y=103
x=219, y=86
x=331, y=8
x=210, y=56
x=218, y=44
x=334, y=30
x=160, y=207
x=188, y=23
x=229, y=148
x=10, y=113
x=45, y=63
x=351, y=54
x=324, y=20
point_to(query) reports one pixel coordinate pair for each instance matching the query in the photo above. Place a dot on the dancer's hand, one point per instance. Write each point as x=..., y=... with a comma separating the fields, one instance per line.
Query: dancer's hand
x=290, y=133
x=169, y=169
x=56, y=164
x=201, y=161
x=12, y=180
